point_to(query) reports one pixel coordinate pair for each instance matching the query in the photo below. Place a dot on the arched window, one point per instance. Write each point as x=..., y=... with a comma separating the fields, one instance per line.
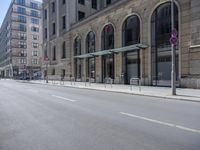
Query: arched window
x=108, y=60
x=131, y=31
x=90, y=42
x=131, y=59
x=108, y=37
x=63, y=50
x=160, y=45
x=77, y=46
x=77, y=61
x=90, y=48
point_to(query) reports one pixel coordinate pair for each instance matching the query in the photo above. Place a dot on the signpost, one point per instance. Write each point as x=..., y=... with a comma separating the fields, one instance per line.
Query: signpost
x=46, y=62
x=173, y=41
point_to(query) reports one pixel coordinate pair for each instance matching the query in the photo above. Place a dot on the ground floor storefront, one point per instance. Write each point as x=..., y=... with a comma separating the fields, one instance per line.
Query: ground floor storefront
x=128, y=43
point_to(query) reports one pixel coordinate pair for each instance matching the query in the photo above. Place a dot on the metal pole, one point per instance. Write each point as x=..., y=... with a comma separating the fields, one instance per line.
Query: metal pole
x=173, y=73
x=46, y=72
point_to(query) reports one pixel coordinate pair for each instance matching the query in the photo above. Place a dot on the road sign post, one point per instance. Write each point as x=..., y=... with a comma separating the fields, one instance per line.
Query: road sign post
x=46, y=61
x=173, y=41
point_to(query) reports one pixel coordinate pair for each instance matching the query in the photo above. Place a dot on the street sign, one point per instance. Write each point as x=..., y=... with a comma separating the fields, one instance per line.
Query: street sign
x=173, y=40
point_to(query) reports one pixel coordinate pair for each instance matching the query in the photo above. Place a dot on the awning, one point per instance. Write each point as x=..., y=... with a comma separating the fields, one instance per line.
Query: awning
x=111, y=51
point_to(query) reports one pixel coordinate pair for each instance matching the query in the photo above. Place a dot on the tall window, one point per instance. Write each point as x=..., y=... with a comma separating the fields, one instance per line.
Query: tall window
x=160, y=45
x=45, y=14
x=131, y=31
x=94, y=4
x=131, y=59
x=90, y=48
x=77, y=61
x=63, y=50
x=53, y=7
x=108, y=43
x=63, y=22
x=54, y=28
x=54, y=53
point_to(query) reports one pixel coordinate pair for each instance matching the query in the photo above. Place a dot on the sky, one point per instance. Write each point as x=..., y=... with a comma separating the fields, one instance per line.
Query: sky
x=4, y=5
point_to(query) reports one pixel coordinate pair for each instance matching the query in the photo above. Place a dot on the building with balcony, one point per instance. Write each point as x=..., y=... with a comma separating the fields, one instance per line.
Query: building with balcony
x=21, y=40
x=121, y=40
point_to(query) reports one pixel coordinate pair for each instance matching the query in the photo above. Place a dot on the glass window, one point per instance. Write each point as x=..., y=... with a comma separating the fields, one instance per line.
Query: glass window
x=81, y=15
x=63, y=22
x=77, y=51
x=131, y=31
x=35, y=21
x=21, y=2
x=108, y=37
x=35, y=45
x=94, y=4
x=81, y=2
x=53, y=6
x=22, y=19
x=63, y=50
x=90, y=42
x=34, y=13
x=34, y=5
x=108, y=43
x=160, y=44
x=54, y=53
x=22, y=27
x=35, y=37
x=35, y=53
x=77, y=46
x=21, y=10
x=54, y=28
x=34, y=29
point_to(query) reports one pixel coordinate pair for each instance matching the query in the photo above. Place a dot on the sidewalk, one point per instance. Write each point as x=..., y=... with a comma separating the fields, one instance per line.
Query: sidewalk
x=163, y=92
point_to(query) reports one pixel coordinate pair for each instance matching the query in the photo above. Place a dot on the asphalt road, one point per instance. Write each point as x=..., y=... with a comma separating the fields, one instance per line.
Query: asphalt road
x=41, y=117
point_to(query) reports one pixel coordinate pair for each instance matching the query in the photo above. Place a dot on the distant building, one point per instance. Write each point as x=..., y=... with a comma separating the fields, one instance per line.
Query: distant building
x=21, y=40
x=121, y=40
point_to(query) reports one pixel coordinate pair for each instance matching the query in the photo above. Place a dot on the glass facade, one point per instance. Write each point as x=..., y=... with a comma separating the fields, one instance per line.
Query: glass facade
x=131, y=59
x=90, y=48
x=160, y=45
x=77, y=61
x=108, y=60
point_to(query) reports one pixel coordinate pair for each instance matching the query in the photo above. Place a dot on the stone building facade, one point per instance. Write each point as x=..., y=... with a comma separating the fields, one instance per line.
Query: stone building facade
x=21, y=39
x=130, y=39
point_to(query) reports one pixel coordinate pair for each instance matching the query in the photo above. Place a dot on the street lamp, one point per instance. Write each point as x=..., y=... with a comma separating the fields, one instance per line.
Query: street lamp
x=173, y=41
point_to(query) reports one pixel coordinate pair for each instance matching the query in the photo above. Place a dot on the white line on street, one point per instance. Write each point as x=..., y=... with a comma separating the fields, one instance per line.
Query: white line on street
x=67, y=99
x=162, y=123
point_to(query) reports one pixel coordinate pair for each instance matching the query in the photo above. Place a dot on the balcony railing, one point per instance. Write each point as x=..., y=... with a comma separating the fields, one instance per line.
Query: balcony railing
x=28, y=5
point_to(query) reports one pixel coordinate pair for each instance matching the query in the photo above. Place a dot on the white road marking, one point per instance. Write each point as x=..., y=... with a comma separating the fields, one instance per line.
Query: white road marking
x=162, y=123
x=67, y=99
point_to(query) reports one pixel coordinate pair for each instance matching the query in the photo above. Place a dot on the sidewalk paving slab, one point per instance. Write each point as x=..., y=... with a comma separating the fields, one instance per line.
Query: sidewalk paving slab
x=185, y=94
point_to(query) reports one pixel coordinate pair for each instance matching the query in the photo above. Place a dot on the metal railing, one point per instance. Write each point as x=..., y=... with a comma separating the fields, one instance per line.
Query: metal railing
x=135, y=81
x=108, y=81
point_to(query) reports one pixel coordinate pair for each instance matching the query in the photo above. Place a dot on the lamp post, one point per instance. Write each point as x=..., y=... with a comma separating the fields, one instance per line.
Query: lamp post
x=173, y=41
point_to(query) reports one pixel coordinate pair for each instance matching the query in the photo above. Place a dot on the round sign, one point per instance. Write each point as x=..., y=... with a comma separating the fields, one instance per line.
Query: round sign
x=173, y=40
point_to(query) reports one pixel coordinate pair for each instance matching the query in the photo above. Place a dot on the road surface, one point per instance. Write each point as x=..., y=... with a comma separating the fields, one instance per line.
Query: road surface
x=43, y=117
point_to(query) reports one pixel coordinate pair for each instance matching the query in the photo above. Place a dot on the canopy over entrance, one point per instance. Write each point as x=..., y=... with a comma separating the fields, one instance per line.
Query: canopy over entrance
x=111, y=51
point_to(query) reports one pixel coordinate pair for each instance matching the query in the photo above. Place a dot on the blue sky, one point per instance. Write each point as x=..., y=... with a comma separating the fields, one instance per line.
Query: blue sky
x=3, y=9
x=4, y=5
